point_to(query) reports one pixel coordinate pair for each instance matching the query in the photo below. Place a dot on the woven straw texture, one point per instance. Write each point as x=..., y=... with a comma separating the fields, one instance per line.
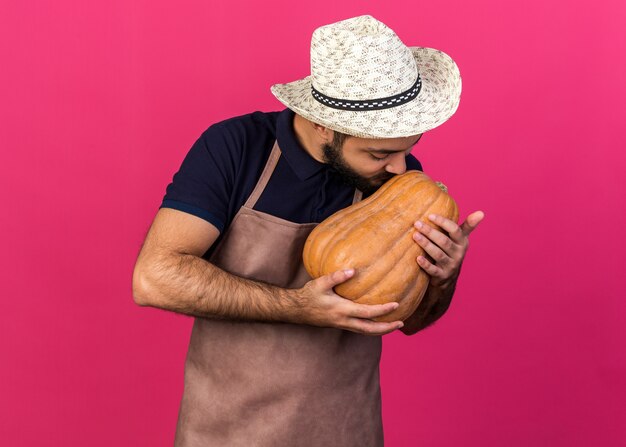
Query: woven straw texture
x=361, y=59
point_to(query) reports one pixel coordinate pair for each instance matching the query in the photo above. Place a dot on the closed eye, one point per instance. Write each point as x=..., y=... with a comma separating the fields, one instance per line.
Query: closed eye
x=381, y=157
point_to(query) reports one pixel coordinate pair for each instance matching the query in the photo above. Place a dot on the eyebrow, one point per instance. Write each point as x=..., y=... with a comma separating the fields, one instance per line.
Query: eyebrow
x=391, y=151
x=383, y=151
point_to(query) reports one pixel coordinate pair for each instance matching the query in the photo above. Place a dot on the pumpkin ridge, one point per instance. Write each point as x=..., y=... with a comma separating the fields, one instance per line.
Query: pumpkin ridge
x=375, y=238
x=375, y=202
x=402, y=219
x=312, y=248
x=366, y=202
x=385, y=288
x=412, y=296
x=409, y=299
x=333, y=255
x=393, y=254
x=374, y=206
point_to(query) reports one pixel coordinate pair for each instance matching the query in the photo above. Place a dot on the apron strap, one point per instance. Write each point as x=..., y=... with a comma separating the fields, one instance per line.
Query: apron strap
x=265, y=176
x=270, y=165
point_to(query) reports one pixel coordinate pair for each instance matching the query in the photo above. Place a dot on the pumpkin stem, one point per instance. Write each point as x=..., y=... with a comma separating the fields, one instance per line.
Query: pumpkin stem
x=443, y=187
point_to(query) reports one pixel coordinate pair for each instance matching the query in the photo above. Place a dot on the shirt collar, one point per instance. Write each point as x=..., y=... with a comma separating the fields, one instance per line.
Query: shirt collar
x=297, y=157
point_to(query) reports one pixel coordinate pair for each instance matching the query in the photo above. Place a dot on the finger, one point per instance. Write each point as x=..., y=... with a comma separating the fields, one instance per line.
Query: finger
x=472, y=222
x=439, y=246
x=327, y=282
x=452, y=228
x=372, y=327
x=370, y=311
x=430, y=268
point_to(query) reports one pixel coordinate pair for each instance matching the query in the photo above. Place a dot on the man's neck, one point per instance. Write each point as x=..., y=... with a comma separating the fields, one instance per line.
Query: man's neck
x=308, y=139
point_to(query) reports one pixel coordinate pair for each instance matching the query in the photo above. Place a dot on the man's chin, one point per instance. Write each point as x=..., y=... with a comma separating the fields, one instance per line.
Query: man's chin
x=373, y=184
x=379, y=181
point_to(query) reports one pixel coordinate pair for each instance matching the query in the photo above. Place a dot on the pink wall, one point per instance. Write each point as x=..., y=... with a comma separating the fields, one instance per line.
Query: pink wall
x=99, y=103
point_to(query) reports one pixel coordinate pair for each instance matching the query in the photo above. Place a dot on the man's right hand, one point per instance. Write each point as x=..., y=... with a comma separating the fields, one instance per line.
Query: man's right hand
x=321, y=306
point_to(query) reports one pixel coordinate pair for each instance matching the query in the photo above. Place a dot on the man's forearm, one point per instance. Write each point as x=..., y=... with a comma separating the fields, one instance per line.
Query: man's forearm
x=435, y=303
x=190, y=285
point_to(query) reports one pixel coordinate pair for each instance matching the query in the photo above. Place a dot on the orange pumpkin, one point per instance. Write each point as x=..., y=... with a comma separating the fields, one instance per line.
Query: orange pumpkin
x=375, y=237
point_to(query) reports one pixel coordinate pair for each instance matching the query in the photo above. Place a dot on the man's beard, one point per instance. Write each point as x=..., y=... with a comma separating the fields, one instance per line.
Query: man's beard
x=334, y=158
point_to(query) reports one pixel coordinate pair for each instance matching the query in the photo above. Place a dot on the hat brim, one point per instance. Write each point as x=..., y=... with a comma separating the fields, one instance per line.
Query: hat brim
x=436, y=103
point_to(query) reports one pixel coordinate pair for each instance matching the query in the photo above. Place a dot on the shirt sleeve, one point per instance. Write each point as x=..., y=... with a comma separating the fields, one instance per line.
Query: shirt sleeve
x=413, y=164
x=203, y=184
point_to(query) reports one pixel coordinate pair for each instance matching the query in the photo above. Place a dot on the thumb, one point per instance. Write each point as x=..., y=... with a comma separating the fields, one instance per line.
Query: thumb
x=329, y=281
x=472, y=222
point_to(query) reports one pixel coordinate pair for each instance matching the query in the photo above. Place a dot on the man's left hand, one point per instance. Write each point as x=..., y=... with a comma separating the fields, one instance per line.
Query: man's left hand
x=447, y=251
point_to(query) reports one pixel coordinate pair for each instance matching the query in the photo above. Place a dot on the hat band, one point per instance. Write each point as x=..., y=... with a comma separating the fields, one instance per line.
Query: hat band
x=374, y=104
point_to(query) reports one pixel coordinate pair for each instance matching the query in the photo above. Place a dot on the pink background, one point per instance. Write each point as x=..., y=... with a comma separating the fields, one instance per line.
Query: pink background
x=99, y=104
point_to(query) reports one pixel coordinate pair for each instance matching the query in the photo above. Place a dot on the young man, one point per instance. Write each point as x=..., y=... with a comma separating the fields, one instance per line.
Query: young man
x=276, y=358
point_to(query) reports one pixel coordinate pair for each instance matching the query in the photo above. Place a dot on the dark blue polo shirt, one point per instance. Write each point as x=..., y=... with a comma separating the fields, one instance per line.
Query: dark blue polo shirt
x=222, y=167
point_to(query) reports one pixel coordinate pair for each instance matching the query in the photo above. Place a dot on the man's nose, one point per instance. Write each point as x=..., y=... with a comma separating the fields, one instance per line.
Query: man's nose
x=397, y=164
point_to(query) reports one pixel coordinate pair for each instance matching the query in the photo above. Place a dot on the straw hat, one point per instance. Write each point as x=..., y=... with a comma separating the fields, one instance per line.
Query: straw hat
x=365, y=82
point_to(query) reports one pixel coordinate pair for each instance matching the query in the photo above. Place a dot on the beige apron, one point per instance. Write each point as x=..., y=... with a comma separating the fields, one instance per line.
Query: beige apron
x=276, y=384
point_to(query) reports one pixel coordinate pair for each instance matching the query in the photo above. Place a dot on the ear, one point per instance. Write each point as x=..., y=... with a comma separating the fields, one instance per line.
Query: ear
x=324, y=133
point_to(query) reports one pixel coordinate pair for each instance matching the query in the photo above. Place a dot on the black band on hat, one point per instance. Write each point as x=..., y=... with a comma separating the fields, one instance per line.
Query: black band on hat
x=373, y=104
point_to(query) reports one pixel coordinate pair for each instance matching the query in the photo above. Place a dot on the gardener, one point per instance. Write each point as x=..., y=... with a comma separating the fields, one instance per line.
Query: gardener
x=276, y=358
